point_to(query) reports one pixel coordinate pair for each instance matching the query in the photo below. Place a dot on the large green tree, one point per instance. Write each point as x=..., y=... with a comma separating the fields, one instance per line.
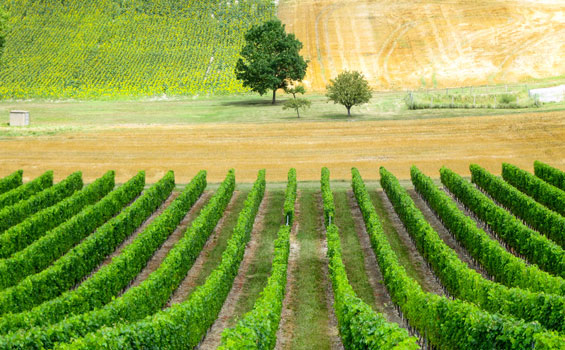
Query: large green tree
x=349, y=89
x=3, y=28
x=270, y=59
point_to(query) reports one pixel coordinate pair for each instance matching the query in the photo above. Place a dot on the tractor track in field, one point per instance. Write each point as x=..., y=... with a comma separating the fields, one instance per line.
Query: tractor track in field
x=333, y=327
x=164, y=205
x=160, y=255
x=428, y=281
x=225, y=318
x=286, y=326
x=189, y=283
x=445, y=235
x=383, y=300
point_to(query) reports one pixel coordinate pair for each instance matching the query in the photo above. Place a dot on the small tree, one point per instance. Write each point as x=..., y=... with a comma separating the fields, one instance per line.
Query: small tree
x=296, y=103
x=349, y=89
x=270, y=59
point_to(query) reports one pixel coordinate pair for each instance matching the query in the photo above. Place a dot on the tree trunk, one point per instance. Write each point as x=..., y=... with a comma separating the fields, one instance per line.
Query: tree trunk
x=298, y=113
x=348, y=111
x=274, y=95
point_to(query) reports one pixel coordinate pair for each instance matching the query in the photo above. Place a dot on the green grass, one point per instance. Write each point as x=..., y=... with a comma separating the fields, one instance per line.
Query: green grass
x=260, y=267
x=214, y=256
x=48, y=117
x=309, y=303
x=351, y=249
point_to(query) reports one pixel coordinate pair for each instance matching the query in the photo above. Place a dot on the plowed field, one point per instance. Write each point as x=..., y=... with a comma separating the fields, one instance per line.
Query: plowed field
x=455, y=142
x=411, y=44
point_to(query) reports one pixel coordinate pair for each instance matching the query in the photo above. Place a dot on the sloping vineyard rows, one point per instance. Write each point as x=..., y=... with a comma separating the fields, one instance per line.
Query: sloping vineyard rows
x=46, y=305
x=81, y=259
x=11, y=181
x=544, y=193
x=114, y=277
x=359, y=326
x=550, y=174
x=498, y=262
x=536, y=248
x=463, y=282
x=258, y=328
x=148, y=297
x=14, y=214
x=125, y=48
x=19, y=236
x=548, y=222
x=444, y=322
x=183, y=325
x=23, y=192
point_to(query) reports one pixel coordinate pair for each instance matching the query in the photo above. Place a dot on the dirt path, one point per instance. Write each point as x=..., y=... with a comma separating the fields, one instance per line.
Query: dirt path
x=383, y=301
x=140, y=229
x=226, y=316
x=445, y=235
x=163, y=251
x=333, y=329
x=189, y=282
x=429, y=282
x=286, y=327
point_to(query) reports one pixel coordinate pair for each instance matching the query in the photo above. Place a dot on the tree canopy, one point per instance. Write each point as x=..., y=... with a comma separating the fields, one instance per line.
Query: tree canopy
x=270, y=58
x=3, y=28
x=349, y=89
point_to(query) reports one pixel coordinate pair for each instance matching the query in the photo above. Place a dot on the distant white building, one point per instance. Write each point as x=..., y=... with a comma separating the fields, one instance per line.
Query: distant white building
x=19, y=118
x=552, y=94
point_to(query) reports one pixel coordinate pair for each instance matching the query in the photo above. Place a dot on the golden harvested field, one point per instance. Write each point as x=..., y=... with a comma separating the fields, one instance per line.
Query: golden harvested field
x=442, y=43
x=455, y=142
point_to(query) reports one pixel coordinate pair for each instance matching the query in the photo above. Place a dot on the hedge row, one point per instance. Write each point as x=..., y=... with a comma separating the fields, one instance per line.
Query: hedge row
x=25, y=191
x=11, y=181
x=106, y=283
x=258, y=328
x=549, y=222
x=67, y=271
x=359, y=326
x=183, y=325
x=327, y=197
x=446, y=323
x=16, y=213
x=550, y=174
x=55, y=243
x=21, y=235
x=290, y=196
x=535, y=247
x=463, y=282
x=137, y=302
x=499, y=263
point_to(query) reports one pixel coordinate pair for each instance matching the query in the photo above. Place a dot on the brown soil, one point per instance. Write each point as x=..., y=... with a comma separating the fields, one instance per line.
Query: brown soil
x=383, y=301
x=140, y=229
x=286, y=327
x=189, y=283
x=177, y=234
x=445, y=235
x=428, y=280
x=397, y=145
x=399, y=43
x=333, y=330
x=226, y=316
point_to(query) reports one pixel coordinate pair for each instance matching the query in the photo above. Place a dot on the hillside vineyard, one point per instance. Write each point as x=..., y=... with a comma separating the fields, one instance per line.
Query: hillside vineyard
x=108, y=48
x=169, y=267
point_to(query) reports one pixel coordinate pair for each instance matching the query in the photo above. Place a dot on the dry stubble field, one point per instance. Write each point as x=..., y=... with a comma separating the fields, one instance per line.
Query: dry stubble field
x=445, y=43
x=430, y=143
